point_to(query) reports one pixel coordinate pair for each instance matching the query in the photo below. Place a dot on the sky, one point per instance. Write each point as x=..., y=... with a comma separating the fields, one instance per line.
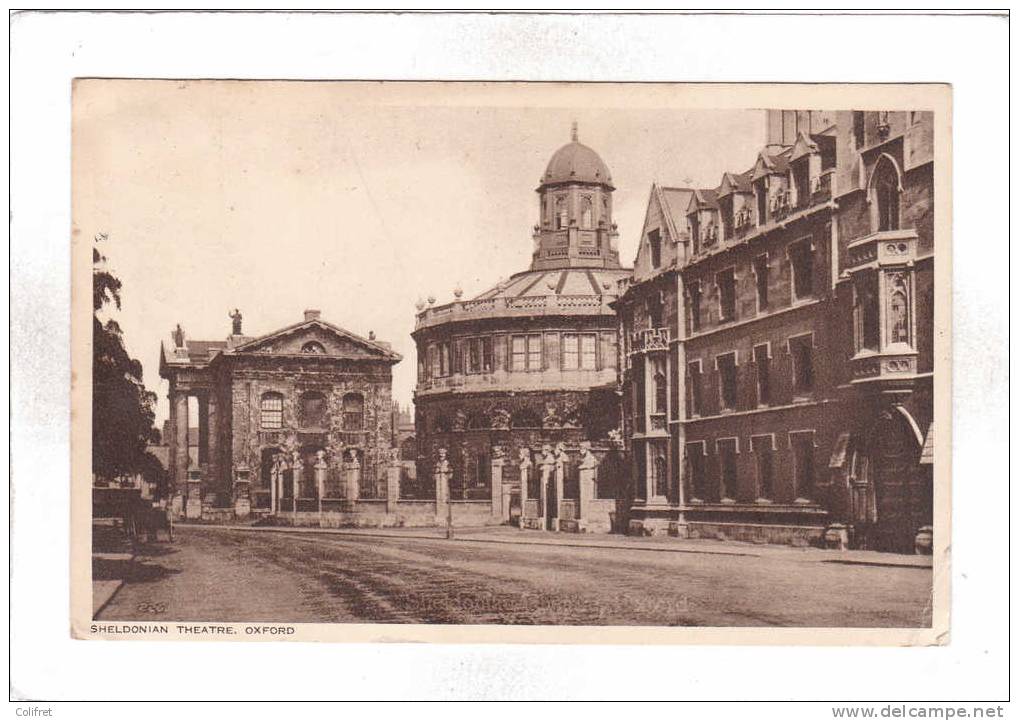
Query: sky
x=354, y=199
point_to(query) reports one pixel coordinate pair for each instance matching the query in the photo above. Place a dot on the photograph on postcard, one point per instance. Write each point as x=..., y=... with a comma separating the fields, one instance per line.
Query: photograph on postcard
x=512, y=354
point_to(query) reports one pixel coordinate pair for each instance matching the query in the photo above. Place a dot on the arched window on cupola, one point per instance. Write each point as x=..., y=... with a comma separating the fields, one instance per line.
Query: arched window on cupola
x=884, y=194
x=586, y=213
x=561, y=216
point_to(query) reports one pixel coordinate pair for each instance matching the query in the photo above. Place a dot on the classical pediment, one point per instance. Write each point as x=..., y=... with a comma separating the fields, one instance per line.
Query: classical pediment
x=317, y=337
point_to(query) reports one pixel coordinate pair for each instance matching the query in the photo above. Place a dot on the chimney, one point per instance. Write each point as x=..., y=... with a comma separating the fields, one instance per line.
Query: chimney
x=312, y=315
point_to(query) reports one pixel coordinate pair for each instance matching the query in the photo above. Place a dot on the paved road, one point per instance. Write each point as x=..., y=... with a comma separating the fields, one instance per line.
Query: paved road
x=234, y=575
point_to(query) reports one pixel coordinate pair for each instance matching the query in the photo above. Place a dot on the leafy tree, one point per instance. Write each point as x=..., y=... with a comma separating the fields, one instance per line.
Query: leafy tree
x=123, y=412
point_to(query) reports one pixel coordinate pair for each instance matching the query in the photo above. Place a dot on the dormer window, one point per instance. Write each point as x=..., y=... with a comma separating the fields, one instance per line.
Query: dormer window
x=761, y=193
x=725, y=207
x=695, y=232
x=801, y=181
x=313, y=347
x=654, y=241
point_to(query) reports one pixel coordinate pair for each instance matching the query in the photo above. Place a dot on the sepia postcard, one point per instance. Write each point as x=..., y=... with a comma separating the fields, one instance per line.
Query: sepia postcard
x=511, y=362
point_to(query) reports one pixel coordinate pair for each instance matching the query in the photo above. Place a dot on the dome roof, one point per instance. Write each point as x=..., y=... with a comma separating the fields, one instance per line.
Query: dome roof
x=577, y=163
x=571, y=282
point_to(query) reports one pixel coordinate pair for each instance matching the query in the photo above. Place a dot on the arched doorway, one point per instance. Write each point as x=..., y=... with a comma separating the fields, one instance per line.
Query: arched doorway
x=894, y=449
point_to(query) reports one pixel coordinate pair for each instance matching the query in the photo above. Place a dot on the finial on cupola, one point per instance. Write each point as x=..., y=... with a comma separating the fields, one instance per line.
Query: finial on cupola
x=573, y=132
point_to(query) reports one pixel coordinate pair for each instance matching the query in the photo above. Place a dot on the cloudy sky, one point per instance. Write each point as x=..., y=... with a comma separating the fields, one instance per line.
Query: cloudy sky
x=353, y=199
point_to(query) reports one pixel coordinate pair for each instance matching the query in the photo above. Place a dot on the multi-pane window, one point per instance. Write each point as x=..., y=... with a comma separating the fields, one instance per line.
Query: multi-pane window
x=762, y=364
x=898, y=311
x=579, y=351
x=801, y=257
x=726, y=281
x=312, y=410
x=353, y=412
x=761, y=192
x=728, y=478
x=866, y=316
x=272, y=410
x=441, y=361
x=525, y=352
x=695, y=306
x=726, y=380
x=586, y=213
x=801, y=348
x=695, y=466
x=801, y=181
x=561, y=217
x=479, y=355
x=693, y=388
x=761, y=280
x=886, y=190
x=763, y=450
x=659, y=385
x=654, y=241
x=802, y=445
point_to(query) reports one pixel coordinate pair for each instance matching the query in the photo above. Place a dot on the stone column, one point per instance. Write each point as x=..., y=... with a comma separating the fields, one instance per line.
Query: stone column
x=498, y=459
x=547, y=466
x=296, y=472
x=561, y=459
x=393, y=472
x=440, y=474
x=211, y=438
x=274, y=484
x=321, y=471
x=179, y=440
x=525, y=478
x=587, y=472
x=353, y=475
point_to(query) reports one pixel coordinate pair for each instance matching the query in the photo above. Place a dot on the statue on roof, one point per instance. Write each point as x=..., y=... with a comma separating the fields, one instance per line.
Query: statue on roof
x=236, y=317
x=178, y=337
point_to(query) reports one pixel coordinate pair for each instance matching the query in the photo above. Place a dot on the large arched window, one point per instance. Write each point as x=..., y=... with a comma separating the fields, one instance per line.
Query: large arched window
x=586, y=213
x=885, y=194
x=272, y=410
x=353, y=412
x=312, y=410
x=561, y=216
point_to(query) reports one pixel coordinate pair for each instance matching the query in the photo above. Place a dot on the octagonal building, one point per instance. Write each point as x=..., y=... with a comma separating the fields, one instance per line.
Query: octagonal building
x=525, y=373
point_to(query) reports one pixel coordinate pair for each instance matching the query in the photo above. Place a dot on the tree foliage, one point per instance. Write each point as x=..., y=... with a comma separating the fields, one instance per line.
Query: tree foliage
x=123, y=411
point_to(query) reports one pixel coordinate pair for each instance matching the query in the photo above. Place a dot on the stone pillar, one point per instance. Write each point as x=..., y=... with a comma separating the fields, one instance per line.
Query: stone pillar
x=524, y=466
x=587, y=473
x=561, y=459
x=274, y=480
x=242, y=492
x=547, y=469
x=179, y=440
x=393, y=472
x=500, y=507
x=296, y=472
x=212, y=436
x=440, y=474
x=321, y=471
x=352, y=471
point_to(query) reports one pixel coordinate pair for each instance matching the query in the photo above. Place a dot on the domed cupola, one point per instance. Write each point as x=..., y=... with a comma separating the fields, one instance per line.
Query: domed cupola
x=575, y=227
x=577, y=163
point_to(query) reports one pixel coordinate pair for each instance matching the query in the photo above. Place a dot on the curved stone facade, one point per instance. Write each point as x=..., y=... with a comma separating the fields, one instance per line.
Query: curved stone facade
x=530, y=365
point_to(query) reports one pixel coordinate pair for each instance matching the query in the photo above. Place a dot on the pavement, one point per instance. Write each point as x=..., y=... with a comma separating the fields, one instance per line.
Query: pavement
x=509, y=576
x=666, y=544
x=112, y=557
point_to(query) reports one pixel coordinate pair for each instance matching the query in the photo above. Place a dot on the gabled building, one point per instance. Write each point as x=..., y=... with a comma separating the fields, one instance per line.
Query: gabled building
x=796, y=388
x=280, y=417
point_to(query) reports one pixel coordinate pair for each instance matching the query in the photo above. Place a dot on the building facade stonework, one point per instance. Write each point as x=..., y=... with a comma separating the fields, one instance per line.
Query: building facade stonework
x=525, y=373
x=288, y=421
x=790, y=398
